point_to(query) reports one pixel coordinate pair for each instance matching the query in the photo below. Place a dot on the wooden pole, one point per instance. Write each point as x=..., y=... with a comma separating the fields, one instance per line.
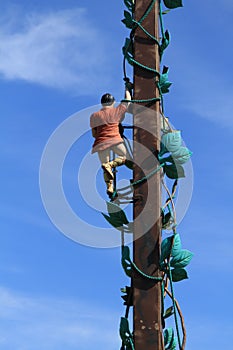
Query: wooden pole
x=146, y=293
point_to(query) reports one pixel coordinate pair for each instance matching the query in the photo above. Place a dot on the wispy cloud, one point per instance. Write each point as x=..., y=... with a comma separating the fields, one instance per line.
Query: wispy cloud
x=60, y=49
x=51, y=323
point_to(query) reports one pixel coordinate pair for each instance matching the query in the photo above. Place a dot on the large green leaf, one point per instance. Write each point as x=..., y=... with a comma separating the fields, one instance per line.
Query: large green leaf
x=170, y=246
x=116, y=212
x=114, y=221
x=172, y=141
x=117, y=217
x=166, y=247
x=181, y=259
x=174, y=171
x=176, y=248
x=172, y=4
x=179, y=274
x=182, y=155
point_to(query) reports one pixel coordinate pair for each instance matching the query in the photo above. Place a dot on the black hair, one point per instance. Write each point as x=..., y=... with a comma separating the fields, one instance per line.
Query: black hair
x=107, y=99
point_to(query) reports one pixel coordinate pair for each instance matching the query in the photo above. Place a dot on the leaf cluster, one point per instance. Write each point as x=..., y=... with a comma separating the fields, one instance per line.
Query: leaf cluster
x=173, y=154
x=172, y=255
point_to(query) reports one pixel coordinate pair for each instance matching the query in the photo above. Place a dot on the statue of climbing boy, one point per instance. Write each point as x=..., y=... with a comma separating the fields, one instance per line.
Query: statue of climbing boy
x=105, y=130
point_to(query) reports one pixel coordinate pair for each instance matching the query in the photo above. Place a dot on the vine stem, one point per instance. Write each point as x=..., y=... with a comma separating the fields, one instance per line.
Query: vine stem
x=181, y=319
x=172, y=202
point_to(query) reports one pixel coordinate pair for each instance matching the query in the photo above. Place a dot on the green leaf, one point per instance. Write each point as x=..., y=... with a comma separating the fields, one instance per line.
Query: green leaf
x=113, y=221
x=163, y=81
x=182, y=155
x=179, y=274
x=168, y=337
x=117, y=213
x=170, y=246
x=176, y=248
x=165, y=42
x=181, y=259
x=174, y=171
x=172, y=4
x=172, y=141
x=128, y=297
x=166, y=248
x=128, y=20
x=117, y=217
x=169, y=312
x=124, y=329
x=126, y=261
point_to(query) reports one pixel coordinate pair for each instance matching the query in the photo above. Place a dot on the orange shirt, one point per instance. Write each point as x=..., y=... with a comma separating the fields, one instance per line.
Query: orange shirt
x=105, y=122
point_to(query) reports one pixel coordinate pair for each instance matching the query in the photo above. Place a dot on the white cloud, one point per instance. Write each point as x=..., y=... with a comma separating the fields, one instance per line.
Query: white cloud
x=30, y=323
x=59, y=49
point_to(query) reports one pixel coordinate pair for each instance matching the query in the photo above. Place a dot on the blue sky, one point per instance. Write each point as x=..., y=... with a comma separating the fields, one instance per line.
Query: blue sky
x=56, y=59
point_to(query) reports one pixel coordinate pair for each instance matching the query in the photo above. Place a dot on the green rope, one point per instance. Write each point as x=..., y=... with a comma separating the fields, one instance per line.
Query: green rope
x=146, y=32
x=154, y=278
x=148, y=11
x=127, y=263
x=143, y=66
x=145, y=178
x=132, y=61
x=153, y=99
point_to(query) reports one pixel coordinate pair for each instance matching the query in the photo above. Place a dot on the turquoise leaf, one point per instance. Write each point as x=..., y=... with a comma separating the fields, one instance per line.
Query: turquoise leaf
x=164, y=83
x=181, y=259
x=166, y=247
x=176, y=248
x=172, y=141
x=182, y=155
x=165, y=42
x=169, y=338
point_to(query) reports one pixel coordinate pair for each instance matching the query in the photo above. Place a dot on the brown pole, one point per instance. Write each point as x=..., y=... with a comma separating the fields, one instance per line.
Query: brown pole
x=146, y=293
